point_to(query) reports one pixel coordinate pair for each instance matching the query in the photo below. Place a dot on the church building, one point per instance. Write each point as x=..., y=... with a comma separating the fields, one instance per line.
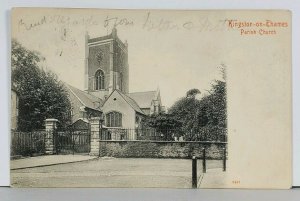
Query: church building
x=106, y=90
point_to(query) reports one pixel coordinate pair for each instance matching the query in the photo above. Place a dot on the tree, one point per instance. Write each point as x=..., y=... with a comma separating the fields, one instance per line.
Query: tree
x=213, y=122
x=41, y=94
x=161, y=121
x=204, y=119
x=192, y=93
x=164, y=124
x=215, y=104
x=185, y=111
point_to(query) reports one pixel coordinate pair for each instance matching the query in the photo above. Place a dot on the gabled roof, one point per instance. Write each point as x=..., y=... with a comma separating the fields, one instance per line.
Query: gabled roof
x=144, y=99
x=80, y=124
x=129, y=100
x=86, y=99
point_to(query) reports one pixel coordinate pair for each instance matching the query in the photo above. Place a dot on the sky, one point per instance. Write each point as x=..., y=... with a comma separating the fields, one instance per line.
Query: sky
x=173, y=51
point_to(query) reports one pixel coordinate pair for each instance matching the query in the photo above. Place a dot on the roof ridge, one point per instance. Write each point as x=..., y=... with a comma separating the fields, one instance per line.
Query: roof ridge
x=86, y=99
x=130, y=98
x=76, y=95
x=85, y=92
x=122, y=94
x=125, y=95
x=141, y=92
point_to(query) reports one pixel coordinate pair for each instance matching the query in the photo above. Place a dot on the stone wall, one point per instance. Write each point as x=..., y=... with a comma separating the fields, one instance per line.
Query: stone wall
x=94, y=121
x=160, y=149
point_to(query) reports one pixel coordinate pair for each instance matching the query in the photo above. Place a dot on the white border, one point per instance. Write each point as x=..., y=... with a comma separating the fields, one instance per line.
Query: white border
x=5, y=8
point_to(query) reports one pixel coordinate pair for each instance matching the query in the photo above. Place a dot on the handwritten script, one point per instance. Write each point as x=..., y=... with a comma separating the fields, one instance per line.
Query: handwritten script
x=148, y=22
x=58, y=20
x=202, y=24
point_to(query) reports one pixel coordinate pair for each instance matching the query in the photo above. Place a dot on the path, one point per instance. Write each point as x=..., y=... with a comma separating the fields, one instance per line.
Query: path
x=112, y=172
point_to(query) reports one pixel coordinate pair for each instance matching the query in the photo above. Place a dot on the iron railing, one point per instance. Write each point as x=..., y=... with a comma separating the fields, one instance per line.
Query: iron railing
x=28, y=143
x=70, y=141
x=158, y=135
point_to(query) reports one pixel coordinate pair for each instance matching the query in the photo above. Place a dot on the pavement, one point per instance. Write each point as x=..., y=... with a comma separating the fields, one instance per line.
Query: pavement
x=88, y=171
x=48, y=160
x=213, y=178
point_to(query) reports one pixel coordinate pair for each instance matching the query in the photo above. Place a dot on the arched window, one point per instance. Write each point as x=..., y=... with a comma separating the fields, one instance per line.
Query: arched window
x=99, y=80
x=114, y=119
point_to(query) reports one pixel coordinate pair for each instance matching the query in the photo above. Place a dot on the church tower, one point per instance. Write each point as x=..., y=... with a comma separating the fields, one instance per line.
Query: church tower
x=106, y=65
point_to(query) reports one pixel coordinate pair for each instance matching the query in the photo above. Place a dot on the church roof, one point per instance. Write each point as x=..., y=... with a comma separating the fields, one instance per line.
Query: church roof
x=143, y=99
x=131, y=102
x=86, y=99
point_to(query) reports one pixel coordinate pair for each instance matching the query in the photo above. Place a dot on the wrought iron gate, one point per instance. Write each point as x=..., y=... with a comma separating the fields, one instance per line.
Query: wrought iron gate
x=72, y=141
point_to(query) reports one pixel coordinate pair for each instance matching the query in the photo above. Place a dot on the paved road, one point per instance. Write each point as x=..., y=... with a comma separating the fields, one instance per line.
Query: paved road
x=111, y=172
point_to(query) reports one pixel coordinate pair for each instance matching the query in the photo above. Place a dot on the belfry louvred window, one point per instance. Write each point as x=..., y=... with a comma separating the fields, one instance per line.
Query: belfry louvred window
x=114, y=119
x=99, y=80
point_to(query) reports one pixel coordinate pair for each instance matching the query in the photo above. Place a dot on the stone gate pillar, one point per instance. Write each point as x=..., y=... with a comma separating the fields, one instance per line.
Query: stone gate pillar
x=95, y=130
x=50, y=129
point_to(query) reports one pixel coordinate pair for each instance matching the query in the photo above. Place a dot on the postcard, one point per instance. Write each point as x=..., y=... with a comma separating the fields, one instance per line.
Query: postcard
x=151, y=98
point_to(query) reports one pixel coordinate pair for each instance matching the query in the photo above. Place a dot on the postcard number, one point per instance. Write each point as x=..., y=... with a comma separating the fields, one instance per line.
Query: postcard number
x=236, y=182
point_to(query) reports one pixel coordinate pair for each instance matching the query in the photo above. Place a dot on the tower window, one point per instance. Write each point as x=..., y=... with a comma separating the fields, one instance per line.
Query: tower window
x=99, y=80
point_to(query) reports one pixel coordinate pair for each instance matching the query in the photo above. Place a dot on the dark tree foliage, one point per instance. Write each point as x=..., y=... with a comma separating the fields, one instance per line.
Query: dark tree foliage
x=165, y=124
x=214, y=114
x=161, y=121
x=215, y=104
x=185, y=111
x=192, y=93
x=41, y=94
x=204, y=119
